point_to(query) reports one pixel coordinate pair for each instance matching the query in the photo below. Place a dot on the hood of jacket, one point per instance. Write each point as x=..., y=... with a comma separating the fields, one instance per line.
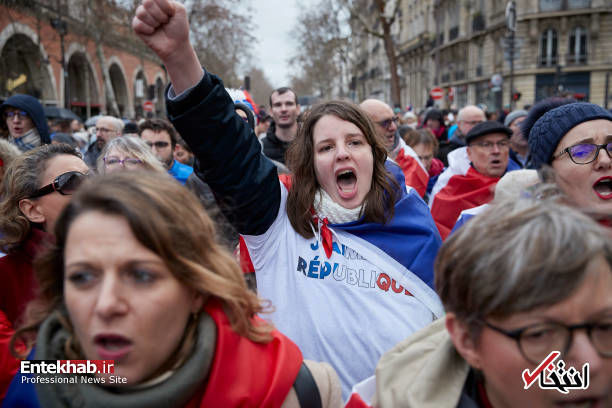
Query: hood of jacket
x=423, y=371
x=35, y=111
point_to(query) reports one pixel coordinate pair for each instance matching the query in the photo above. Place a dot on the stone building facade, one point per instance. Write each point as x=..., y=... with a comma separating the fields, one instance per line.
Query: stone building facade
x=31, y=62
x=562, y=47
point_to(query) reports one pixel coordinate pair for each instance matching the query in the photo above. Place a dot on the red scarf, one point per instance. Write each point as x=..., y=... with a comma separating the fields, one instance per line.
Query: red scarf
x=244, y=373
x=461, y=193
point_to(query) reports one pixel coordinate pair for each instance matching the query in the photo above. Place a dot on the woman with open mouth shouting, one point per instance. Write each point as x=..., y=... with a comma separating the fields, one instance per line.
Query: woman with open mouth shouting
x=576, y=141
x=341, y=249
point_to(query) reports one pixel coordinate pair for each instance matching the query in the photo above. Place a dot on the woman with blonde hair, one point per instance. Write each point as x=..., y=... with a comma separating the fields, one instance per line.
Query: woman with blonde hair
x=136, y=276
x=338, y=245
x=36, y=187
x=128, y=153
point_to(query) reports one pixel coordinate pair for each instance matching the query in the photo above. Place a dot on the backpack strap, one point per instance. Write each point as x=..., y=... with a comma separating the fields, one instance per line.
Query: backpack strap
x=306, y=389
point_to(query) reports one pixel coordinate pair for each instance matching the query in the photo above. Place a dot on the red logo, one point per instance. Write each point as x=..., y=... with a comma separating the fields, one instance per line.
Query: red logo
x=556, y=376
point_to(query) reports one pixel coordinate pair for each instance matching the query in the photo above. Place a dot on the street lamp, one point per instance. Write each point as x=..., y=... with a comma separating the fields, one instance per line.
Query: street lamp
x=62, y=29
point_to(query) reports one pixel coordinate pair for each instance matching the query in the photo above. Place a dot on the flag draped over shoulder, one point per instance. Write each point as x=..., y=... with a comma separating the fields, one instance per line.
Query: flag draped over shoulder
x=410, y=237
x=415, y=174
x=459, y=188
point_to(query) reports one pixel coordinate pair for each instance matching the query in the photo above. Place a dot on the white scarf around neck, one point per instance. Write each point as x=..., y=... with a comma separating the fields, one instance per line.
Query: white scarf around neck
x=325, y=207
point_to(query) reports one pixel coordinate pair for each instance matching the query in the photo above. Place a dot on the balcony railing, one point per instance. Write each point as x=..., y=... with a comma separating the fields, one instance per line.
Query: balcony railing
x=576, y=59
x=558, y=5
x=547, y=60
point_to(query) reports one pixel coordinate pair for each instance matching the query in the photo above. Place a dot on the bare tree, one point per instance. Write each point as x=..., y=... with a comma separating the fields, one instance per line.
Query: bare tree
x=260, y=86
x=379, y=25
x=221, y=35
x=321, y=56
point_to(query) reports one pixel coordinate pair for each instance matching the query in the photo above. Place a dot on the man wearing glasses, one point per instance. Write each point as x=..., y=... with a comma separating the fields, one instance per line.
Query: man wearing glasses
x=473, y=172
x=25, y=119
x=107, y=128
x=385, y=124
x=161, y=136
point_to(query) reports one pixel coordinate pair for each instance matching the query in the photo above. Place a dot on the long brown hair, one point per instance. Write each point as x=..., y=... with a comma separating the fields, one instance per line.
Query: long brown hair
x=168, y=220
x=21, y=180
x=380, y=200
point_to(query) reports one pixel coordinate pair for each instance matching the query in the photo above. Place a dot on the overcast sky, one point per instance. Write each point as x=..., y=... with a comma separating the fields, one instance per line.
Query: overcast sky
x=274, y=20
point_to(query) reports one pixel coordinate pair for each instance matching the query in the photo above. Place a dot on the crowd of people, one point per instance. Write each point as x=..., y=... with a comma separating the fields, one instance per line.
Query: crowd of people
x=348, y=254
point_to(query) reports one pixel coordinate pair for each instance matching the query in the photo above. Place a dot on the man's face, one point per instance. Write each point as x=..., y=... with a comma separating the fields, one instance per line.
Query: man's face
x=18, y=122
x=489, y=154
x=105, y=131
x=284, y=110
x=161, y=144
x=517, y=138
x=469, y=119
x=385, y=122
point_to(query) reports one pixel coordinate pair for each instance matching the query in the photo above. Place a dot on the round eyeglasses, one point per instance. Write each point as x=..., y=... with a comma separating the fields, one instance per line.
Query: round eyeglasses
x=128, y=162
x=585, y=153
x=536, y=341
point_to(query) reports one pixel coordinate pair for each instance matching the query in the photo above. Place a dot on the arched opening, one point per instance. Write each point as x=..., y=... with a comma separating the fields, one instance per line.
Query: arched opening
x=83, y=92
x=159, y=96
x=119, y=88
x=23, y=69
x=140, y=89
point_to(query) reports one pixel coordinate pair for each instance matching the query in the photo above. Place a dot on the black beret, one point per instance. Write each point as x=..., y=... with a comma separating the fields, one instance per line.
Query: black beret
x=486, y=128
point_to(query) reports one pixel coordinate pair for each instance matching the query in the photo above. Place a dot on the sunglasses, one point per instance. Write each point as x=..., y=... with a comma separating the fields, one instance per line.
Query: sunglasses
x=387, y=122
x=12, y=114
x=65, y=184
x=158, y=145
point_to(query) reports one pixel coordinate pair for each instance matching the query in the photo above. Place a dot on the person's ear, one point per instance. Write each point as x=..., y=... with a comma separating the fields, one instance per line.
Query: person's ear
x=197, y=302
x=462, y=340
x=468, y=149
x=31, y=210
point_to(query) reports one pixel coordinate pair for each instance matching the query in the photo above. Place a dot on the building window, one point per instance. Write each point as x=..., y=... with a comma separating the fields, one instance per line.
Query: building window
x=577, y=46
x=578, y=4
x=548, y=48
x=551, y=5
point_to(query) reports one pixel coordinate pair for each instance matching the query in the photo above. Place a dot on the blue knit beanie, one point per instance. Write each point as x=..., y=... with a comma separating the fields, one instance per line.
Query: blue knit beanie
x=548, y=131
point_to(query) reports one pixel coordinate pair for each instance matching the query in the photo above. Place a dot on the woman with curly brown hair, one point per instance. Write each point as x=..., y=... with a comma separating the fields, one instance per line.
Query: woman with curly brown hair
x=136, y=276
x=340, y=245
x=35, y=188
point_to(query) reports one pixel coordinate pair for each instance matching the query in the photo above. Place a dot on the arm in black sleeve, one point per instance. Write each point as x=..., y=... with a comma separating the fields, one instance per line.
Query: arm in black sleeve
x=228, y=154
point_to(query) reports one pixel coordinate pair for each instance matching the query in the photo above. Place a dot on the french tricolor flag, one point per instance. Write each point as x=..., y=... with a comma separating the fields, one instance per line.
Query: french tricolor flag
x=458, y=188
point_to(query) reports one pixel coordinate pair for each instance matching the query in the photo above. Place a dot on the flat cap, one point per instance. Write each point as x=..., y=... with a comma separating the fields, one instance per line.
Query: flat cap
x=486, y=128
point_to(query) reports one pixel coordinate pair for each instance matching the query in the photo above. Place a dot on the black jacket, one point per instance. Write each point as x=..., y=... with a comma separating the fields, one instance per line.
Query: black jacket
x=229, y=157
x=273, y=147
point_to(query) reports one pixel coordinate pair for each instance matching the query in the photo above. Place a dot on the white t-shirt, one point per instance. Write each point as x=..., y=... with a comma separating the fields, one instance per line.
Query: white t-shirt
x=346, y=310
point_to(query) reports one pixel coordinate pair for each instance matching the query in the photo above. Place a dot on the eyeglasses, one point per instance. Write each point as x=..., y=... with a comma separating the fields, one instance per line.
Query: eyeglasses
x=19, y=114
x=471, y=122
x=158, y=145
x=104, y=130
x=536, y=341
x=585, y=153
x=387, y=122
x=65, y=184
x=128, y=162
x=502, y=144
